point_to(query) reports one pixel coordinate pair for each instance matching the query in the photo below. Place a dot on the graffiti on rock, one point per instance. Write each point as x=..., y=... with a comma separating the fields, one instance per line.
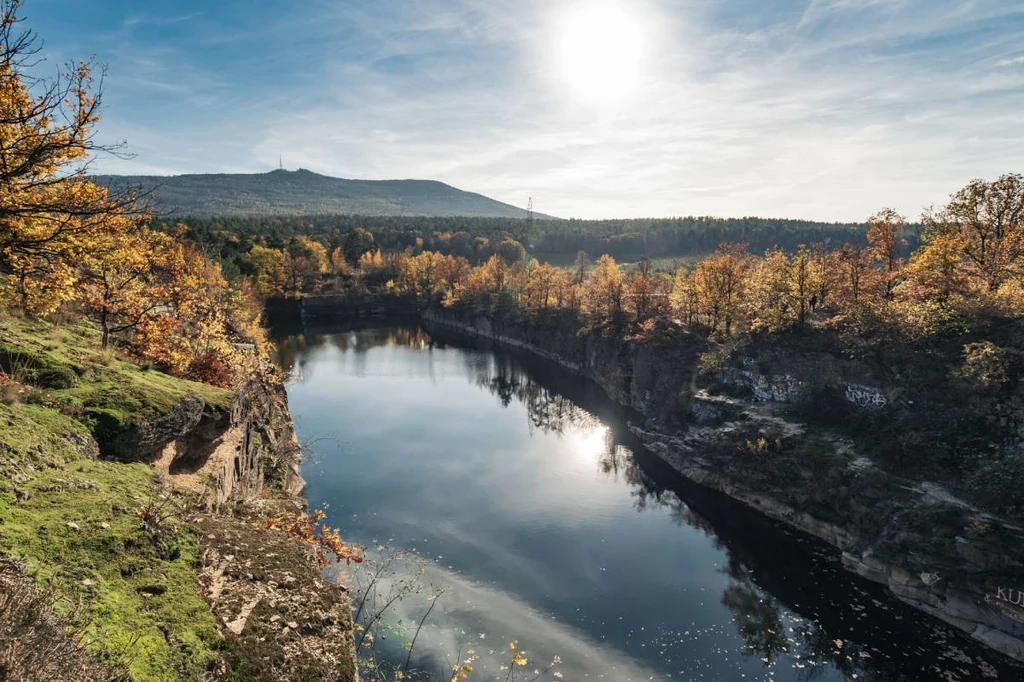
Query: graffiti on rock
x=1009, y=601
x=865, y=396
x=777, y=389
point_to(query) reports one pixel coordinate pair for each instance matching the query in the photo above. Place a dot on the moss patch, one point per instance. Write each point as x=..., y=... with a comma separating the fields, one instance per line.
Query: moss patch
x=71, y=519
x=104, y=380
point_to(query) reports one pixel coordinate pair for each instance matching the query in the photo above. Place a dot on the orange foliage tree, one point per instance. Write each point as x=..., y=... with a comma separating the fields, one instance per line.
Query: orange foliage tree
x=885, y=236
x=985, y=220
x=605, y=290
x=51, y=215
x=718, y=282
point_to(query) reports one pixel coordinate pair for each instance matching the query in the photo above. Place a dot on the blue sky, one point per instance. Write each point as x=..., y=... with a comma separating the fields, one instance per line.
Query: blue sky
x=818, y=109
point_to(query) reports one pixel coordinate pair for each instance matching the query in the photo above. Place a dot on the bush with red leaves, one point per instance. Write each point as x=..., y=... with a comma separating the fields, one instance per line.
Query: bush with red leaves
x=208, y=369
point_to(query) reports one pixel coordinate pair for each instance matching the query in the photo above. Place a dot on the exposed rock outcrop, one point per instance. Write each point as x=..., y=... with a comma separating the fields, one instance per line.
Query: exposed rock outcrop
x=282, y=620
x=142, y=440
x=231, y=457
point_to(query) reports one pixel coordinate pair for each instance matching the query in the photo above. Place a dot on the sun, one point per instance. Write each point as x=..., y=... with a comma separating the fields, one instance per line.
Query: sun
x=601, y=50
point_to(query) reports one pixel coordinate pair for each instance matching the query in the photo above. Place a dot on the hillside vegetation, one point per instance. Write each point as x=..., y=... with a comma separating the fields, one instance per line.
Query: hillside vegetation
x=76, y=523
x=303, y=192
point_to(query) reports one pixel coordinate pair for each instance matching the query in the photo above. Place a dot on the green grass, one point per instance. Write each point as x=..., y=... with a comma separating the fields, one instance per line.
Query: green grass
x=107, y=391
x=72, y=519
x=104, y=377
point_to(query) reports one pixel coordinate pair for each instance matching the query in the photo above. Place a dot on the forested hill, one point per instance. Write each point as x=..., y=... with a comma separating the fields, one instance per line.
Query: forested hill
x=302, y=192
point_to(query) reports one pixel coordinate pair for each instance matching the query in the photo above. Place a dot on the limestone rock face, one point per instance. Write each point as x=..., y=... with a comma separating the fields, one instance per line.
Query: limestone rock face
x=232, y=456
x=143, y=440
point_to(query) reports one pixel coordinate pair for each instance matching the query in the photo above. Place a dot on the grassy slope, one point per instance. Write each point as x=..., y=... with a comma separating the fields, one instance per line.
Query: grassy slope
x=72, y=519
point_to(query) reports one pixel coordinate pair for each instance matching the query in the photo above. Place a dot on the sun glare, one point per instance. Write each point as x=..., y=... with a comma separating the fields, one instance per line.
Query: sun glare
x=601, y=51
x=588, y=444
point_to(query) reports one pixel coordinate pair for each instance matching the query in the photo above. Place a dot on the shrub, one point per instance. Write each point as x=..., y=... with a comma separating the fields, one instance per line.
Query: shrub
x=996, y=484
x=989, y=365
x=38, y=642
x=11, y=393
x=711, y=363
x=107, y=356
x=310, y=529
x=208, y=369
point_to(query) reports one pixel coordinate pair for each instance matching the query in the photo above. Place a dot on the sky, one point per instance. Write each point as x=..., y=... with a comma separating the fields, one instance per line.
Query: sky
x=814, y=109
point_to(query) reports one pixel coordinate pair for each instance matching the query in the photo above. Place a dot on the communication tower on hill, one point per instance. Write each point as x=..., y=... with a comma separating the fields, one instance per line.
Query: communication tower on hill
x=529, y=213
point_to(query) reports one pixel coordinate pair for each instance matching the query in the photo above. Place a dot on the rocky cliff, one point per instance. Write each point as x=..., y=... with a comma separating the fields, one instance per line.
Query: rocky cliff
x=280, y=618
x=753, y=432
x=228, y=455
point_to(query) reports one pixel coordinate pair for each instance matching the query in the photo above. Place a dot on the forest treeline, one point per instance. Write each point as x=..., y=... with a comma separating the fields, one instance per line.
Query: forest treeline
x=476, y=239
x=968, y=266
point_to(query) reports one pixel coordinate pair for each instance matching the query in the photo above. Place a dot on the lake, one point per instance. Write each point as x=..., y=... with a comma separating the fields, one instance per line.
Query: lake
x=514, y=491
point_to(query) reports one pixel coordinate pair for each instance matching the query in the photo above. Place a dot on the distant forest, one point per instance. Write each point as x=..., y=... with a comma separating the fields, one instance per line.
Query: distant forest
x=556, y=241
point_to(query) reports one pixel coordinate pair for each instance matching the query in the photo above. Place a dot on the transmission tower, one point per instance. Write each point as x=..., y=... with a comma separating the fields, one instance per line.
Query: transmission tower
x=529, y=213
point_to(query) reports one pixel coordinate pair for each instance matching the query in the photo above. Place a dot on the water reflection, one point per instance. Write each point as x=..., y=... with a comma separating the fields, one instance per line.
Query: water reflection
x=770, y=629
x=531, y=544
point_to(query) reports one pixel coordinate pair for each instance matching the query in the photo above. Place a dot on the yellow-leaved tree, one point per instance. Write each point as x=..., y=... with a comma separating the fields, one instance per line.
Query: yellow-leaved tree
x=51, y=215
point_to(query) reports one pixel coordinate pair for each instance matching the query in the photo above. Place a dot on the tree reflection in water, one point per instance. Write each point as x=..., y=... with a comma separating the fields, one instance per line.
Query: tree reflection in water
x=291, y=348
x=807, y=624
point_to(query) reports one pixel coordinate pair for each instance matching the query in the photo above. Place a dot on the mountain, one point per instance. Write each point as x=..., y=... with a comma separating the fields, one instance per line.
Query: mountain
x=302, y=192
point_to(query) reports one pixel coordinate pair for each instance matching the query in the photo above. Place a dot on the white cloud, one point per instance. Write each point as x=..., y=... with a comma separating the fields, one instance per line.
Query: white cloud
x=827, y=112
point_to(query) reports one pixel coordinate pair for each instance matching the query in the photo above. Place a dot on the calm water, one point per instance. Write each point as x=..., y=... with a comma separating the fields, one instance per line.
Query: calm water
x=540, y=519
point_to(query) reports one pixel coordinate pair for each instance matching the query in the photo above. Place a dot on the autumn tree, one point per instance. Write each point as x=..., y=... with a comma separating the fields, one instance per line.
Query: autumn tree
x=684, y=296
x=510, y=251
x=484, y=282
x=308, y=262
x=768, y=294
x=801, y=280
x=855, y=273
x=429, y=273
x=574, y=287
x=451, y=273
x=542, y=285
x=580, y=267
x=719, y=280
x=825, y=274
x=605, y=289
x=936, y=271
x=339, y=266
x=648, y=291
x=271, y=269
x=985, y=220
x=51, y=215
x=885, y=239
x=64, y=240
x=145, y=274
